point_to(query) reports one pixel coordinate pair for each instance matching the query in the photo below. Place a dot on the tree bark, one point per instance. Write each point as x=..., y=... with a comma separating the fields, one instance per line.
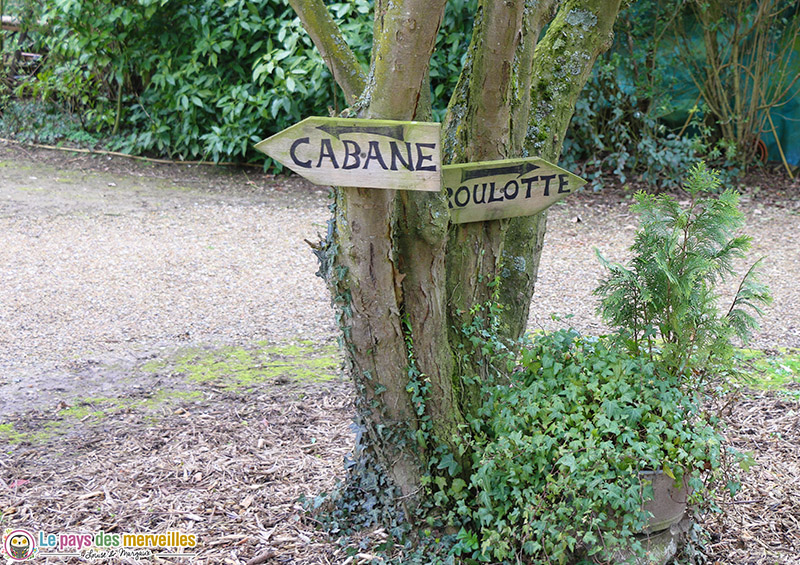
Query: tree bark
x=495, y=115
x=327, y=38
x=385, y=299
x=563, y=61
x=404, y=280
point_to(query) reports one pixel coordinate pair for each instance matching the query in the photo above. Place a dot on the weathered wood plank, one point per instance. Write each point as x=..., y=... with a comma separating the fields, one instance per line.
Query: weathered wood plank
x=491, y=190
x=356, y=152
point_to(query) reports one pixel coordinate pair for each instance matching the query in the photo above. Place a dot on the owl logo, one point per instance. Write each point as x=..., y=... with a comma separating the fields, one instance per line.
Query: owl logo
x=19, y=545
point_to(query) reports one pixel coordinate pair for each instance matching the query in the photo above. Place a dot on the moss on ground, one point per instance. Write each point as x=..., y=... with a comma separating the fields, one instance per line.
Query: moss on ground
x=233, y=369
x=774, y=370
x=9, y=434
x=237, y=368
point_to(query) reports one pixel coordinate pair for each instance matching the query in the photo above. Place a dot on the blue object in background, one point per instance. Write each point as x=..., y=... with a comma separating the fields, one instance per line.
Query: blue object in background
x=787, y=125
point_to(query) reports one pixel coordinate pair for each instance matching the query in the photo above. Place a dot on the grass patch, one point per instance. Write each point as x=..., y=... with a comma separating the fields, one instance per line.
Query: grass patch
x=773, y=370
x=236, y=368
x=86, y=408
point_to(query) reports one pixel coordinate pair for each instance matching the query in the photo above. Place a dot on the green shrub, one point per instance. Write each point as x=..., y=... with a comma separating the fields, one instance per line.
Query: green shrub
x=617, y=131
x=207, y=79
x=191, y=80
x=666, y=298
x=561, y=446
x=34, y=121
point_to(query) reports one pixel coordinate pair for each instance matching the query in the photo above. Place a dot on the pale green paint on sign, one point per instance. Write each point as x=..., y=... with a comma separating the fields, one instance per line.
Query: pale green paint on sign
x=491, y=190
x=364, y=153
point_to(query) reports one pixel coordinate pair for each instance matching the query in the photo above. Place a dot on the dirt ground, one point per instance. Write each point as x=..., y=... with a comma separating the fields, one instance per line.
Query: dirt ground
x=166, y=358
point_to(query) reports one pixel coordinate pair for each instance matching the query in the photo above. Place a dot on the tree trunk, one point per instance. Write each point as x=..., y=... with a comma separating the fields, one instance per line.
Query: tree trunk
x=404, y=281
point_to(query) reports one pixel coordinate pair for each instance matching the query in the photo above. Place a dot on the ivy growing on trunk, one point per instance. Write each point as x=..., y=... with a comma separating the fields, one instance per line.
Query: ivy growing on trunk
x=404, y=280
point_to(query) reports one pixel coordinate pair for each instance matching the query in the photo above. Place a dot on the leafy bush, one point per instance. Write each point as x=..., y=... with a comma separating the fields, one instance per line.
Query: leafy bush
x=561, y=447
x=617, y=131
x=194, y=80
x=205, y=79
x=34, y=121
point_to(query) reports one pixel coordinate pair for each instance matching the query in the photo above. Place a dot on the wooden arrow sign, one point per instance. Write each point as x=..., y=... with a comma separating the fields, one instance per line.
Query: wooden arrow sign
x=356, y=152
x=491, y=190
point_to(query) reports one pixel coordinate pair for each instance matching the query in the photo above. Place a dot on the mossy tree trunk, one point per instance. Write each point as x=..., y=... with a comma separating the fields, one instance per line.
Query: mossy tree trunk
x=404, y=280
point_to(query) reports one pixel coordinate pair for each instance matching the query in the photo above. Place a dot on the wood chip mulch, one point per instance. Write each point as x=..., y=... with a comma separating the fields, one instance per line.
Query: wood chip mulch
x=761, y=524
x=230, y=468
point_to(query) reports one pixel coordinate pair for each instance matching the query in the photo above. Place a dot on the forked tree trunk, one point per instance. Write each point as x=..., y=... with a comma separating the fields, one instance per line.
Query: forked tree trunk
x=403, y=279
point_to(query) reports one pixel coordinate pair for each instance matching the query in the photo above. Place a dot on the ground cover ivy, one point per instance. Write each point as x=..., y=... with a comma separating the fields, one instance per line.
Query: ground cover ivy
x=560, y=445
x=548, y=469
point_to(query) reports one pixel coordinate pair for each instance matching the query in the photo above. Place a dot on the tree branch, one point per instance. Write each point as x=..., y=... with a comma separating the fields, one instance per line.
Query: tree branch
x=404, y=39
x=497, y=70
x=491, y=79
x=327, y=38
x=534, y=22
x=564, y=58
x=581, y=30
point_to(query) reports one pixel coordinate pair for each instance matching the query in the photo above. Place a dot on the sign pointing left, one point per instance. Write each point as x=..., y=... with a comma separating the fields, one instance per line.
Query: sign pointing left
x=356, y=152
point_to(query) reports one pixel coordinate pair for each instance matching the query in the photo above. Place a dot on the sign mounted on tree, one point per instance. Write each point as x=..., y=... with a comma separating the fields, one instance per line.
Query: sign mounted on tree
x=491, y=190
x=364, y=153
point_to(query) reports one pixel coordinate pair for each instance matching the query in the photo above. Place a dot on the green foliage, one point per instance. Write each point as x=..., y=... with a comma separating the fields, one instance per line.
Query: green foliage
x=549, y=468
x=211, y=78
x=185, y=79
x=205, y=79
x=624, y=123
x=617, y=130
x=559, y=448
x=43, y=122
x=451, y=52
x=684, y=80
x=666, y=297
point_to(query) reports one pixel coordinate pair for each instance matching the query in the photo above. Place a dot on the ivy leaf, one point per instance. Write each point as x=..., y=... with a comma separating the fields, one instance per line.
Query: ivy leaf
x=448, y=462
x=568, y=461
x=458, y=485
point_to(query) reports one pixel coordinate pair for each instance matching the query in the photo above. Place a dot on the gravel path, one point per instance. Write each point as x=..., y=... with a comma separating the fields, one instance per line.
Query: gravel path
x=101, y=270
x=105, y=263
x=570, y=270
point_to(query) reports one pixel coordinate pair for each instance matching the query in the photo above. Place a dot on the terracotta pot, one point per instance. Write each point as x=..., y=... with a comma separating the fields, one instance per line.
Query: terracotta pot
x=668, y=504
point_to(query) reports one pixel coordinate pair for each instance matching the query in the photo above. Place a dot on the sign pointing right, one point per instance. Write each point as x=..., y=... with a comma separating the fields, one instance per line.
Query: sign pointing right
x=491, y=190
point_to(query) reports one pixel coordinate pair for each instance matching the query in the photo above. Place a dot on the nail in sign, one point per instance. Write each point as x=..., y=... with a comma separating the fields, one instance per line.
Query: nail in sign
x=365, y=153
x=491, y=190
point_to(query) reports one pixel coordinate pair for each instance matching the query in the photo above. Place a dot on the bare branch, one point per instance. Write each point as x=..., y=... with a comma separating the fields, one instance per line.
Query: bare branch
x=327, y=38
